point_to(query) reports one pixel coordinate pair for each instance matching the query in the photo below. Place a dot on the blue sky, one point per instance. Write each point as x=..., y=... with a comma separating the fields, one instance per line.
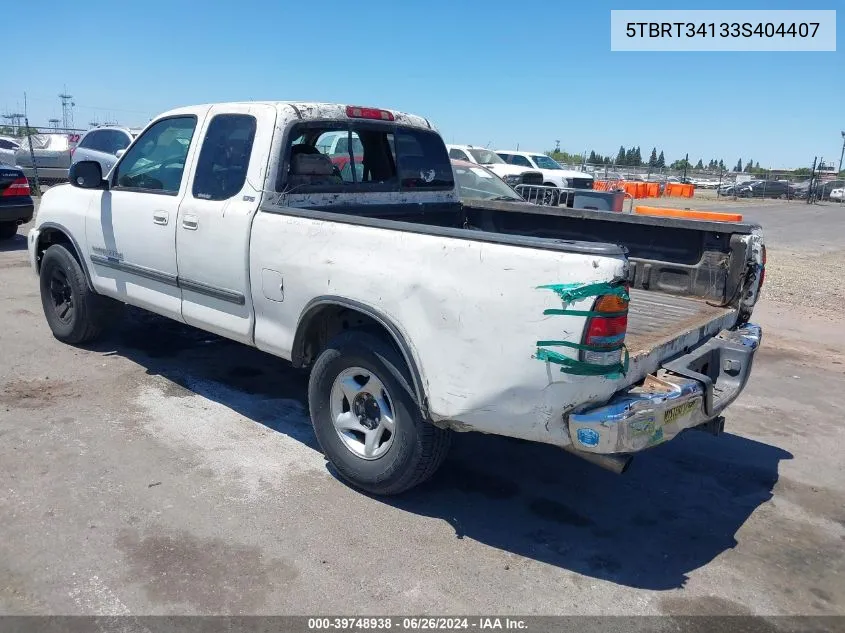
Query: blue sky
x=491, y=71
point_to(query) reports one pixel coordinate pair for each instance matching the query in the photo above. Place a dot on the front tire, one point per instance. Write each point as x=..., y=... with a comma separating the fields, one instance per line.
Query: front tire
x=366, y=417
x=8, y=230
x=74, y=312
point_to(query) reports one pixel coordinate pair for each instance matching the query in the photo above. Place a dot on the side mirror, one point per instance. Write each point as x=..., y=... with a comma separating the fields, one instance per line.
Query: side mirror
x=119, y=153
x=87, y=174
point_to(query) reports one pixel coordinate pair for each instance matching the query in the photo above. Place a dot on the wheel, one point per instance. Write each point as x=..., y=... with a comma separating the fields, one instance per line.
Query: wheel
x=8, y=230
x=74, y=312
x=366, y=417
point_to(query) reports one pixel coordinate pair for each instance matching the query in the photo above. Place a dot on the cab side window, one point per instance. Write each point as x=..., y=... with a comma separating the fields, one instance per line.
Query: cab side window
x=224, y=157
x=156, y=162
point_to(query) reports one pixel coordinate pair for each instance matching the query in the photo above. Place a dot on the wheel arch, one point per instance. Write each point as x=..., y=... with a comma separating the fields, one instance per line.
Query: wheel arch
x=319, y=310
x=52, y=233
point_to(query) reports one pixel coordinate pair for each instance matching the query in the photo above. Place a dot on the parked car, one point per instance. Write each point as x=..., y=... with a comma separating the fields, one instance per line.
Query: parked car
x=416, y=312
x=511, y=174
x=476, y=182
x=764, y=189
x=823, y=190
x=8, y=147
x=553, y=174
x=337, y=143
x=837, y=194
x=16, y=206
x=104, y=145
x=52, y=156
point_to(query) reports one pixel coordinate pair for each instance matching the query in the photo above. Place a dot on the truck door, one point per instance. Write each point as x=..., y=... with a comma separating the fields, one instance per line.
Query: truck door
x=131, y=228
x=215, y=217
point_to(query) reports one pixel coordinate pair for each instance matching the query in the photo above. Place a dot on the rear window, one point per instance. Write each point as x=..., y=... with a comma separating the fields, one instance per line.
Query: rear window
x=365, y=156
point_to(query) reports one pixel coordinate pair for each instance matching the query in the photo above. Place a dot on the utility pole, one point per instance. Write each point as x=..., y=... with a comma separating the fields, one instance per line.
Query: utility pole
x=842, y=153
x=686, y=162
x=31, y=149
x=812, y=174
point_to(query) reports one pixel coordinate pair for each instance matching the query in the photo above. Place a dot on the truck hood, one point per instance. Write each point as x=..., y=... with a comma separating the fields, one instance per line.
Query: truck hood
x=504, y=169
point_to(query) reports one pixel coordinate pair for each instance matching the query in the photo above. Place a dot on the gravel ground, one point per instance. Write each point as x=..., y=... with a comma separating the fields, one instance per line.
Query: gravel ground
x=167, y=471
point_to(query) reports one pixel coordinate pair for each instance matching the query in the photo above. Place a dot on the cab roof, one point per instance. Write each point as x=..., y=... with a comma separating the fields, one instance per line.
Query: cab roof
x=307, y=111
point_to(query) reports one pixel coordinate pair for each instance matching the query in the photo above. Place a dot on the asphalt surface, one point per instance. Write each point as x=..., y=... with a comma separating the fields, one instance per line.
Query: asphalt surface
x=168, y=471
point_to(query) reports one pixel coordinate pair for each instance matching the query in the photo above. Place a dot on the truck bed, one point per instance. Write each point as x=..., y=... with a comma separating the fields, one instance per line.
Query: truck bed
x=657, y=319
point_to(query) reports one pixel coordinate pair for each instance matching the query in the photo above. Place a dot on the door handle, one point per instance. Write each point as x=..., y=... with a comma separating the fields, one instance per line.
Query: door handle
x=190, y=222
x=160, y=217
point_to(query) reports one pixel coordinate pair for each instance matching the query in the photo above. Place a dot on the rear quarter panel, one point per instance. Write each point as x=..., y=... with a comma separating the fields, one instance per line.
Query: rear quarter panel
x=471, y=312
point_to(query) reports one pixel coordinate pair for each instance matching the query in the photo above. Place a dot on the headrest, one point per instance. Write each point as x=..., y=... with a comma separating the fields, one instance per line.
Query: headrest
x=311, y=165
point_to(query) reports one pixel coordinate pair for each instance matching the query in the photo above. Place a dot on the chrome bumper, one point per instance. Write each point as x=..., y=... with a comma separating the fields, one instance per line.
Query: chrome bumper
x=684, y=393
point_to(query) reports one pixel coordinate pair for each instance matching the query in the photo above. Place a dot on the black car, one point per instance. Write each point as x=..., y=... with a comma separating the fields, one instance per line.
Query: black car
x=16, y=206
x=764, y=189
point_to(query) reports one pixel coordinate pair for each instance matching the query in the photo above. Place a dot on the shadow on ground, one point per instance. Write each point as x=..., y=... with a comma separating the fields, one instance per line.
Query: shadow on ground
x=16, y=243
x=676, y=509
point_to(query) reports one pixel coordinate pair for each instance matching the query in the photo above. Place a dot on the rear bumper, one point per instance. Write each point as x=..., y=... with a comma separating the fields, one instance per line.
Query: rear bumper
x=684, y=393
x=17, y=212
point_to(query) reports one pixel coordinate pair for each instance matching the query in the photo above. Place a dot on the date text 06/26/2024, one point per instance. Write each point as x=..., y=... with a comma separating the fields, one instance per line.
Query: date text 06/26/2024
x=723, y=30
x=424, y=623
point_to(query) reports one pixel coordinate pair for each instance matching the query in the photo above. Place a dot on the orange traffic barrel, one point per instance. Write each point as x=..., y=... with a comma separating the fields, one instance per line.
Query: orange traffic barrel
x=689, y=214
x=653, y=190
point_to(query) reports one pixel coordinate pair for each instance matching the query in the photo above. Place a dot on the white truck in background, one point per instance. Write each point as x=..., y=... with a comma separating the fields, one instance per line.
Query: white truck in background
x=418, y=315
x=553, y=174
x=511, y=174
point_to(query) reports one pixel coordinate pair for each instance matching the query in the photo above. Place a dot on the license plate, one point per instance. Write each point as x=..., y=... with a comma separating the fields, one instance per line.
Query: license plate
x=680, y=411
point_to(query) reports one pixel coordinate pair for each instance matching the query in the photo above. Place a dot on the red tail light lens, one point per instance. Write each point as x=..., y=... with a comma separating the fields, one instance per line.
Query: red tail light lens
x=605, y=331
x=357, y=112
x=19, y=187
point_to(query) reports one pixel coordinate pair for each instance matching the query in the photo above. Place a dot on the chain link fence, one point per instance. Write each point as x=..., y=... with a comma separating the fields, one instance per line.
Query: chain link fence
x=760, y=184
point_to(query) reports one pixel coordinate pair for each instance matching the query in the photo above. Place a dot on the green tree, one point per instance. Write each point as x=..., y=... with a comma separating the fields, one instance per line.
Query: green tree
x=757, y=165
x=620, y=157
x=749, y=166
x=722, y=165
x=661, y=160
x=638, y=157
x=802, y=171
x=592, y=158
x=681, y=163
x=699, y=164
x=738, y=167
x=652, y=160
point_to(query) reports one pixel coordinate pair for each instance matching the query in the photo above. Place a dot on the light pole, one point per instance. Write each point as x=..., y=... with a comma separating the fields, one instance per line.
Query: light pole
x=842, y=153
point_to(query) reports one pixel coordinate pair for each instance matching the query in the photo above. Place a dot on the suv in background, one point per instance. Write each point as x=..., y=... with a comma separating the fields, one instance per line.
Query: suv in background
x=553, y=174
x=104, y=145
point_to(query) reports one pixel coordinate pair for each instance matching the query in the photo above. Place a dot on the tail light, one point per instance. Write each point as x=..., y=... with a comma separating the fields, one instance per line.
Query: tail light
x=19, y=187
x=72, y=150
x=604, y=333
x=762, y=269
x=357, y=112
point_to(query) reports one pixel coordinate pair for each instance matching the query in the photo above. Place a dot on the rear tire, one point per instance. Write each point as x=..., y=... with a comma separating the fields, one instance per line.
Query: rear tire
x=8, y=230
x=358, y=384
x=74, y=312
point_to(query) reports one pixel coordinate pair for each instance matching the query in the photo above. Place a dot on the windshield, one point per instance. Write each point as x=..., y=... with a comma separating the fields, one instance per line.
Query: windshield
x=482, y=184
x=544, y=162
x=485, y=157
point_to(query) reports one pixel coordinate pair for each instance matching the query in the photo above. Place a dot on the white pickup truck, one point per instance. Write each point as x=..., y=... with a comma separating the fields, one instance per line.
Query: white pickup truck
x=418, y=314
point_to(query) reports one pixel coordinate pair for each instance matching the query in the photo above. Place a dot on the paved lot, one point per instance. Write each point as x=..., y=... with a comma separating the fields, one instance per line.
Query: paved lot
x=168, y=471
